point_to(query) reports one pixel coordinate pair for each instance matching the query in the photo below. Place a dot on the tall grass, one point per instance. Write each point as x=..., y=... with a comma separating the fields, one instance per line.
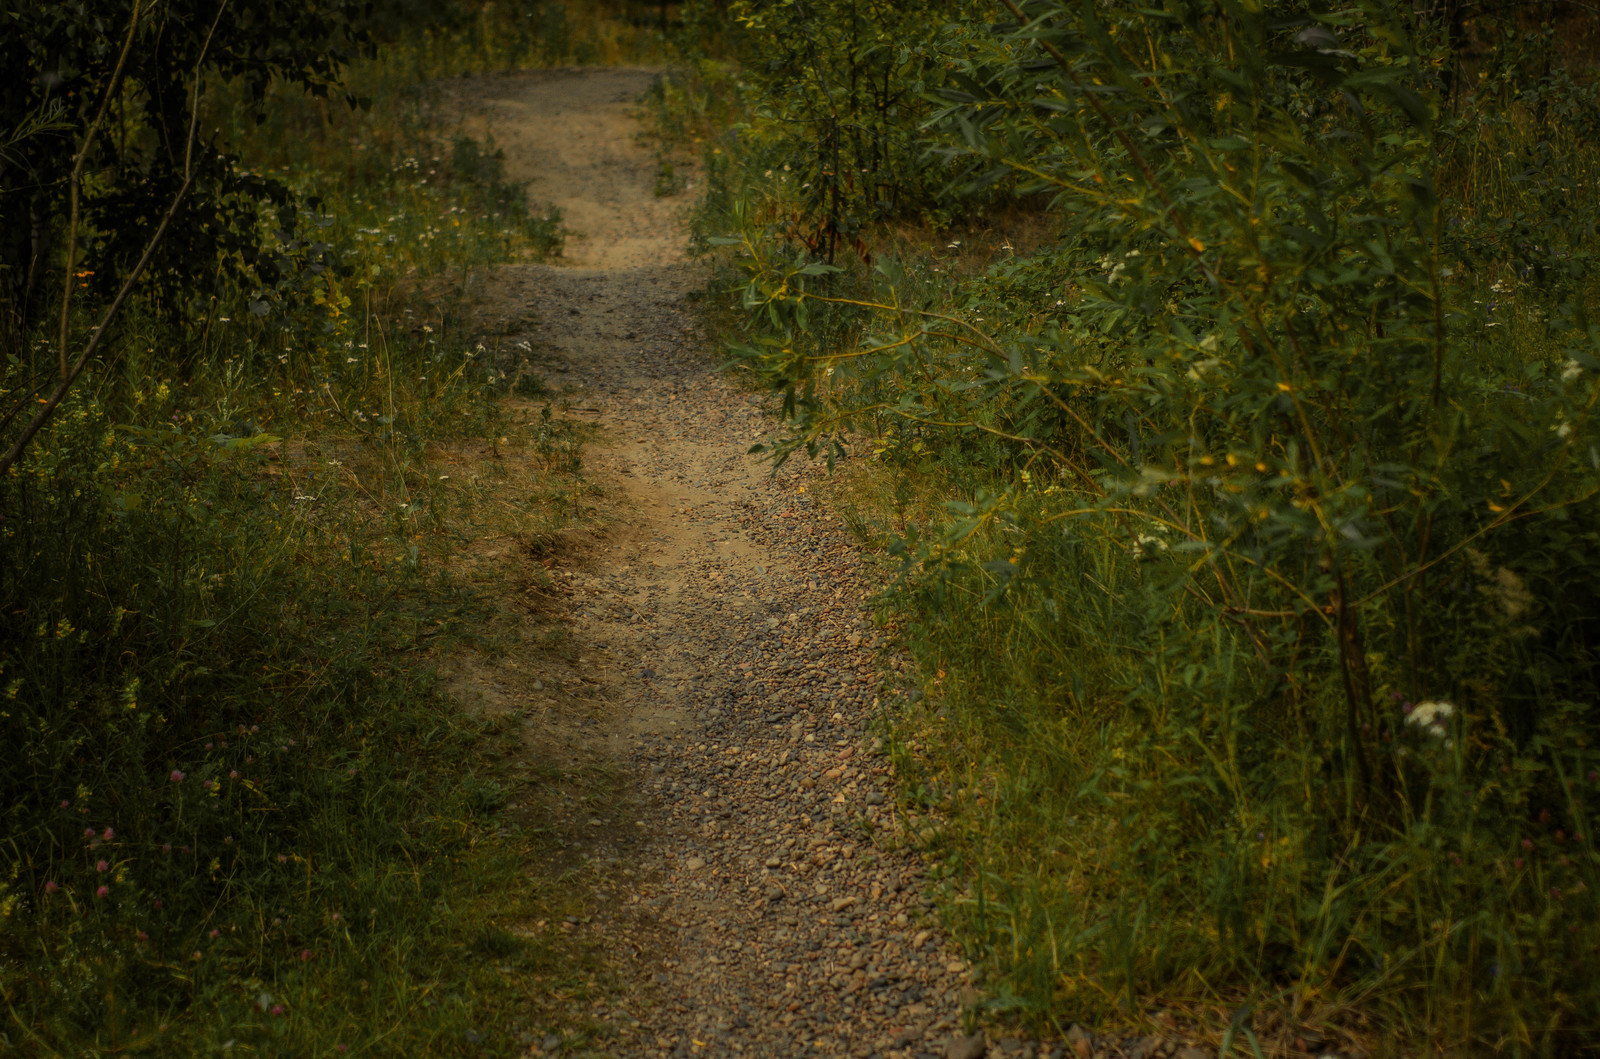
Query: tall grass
x=1242, y=520
x=238, y=810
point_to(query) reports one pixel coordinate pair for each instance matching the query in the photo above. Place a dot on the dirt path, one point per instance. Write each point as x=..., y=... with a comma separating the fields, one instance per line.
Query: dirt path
x=758, y=905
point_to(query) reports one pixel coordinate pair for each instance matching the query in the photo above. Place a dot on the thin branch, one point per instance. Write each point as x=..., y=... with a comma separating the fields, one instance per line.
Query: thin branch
x=70, y=372
x=75, y=181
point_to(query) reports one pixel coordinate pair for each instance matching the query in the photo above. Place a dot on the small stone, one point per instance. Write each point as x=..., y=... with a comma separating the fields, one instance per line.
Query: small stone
x=874, y=797
x=538, y=685
x=964, y=1047
x=1145, y=1048
x=694, y=864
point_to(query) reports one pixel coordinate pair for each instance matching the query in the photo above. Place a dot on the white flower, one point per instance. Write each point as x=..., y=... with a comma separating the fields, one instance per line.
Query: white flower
x=1146, y=544
x=1431, y=717
x=1571, y=370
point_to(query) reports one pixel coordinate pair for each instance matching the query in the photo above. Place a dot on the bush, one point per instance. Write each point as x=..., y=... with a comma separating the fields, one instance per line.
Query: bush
x=1258, y=611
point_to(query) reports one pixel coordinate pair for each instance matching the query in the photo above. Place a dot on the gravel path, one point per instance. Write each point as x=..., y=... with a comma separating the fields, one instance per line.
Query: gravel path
x=762, y=906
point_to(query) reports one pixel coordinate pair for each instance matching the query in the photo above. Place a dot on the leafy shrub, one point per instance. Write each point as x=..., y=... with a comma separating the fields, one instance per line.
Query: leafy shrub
x=1259, y=609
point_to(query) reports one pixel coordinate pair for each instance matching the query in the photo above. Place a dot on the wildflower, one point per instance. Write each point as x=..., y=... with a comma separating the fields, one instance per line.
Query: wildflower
x=214, y=932
x=1517, y=864
x=305, y=954
x=102, y=891
x=1571, y=370
x=277, y=1009
x=233, y=774
x=1431, y=717
x=101, y=865
x=176, y=777
x=141, y=935
x=282, y=859
x=51, y=887
x=166, y=848
x=1145, y=544
x=65, y=803
x=88, y=832
x=1527, y=843
x=195, y=956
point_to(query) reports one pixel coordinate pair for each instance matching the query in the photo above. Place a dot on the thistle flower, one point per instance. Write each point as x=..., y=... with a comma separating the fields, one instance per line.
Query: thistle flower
x=177, y=776
x=102, y=891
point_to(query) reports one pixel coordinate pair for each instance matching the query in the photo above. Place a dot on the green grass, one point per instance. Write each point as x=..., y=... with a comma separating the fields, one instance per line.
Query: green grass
x=1153, y=774
x=239, y=809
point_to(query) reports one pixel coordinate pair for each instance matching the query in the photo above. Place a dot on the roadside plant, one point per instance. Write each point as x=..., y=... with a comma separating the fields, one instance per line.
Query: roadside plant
x=1260, y=596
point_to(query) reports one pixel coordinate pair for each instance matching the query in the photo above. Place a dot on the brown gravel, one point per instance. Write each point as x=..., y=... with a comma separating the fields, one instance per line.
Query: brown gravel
x=762, y=902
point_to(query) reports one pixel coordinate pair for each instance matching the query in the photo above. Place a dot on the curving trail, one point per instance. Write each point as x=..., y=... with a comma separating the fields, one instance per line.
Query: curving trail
x=727, y=671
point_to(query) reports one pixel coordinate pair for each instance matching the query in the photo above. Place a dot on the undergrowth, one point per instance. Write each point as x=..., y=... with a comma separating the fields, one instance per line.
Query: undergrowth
x=239, y=810
x=1243, y=493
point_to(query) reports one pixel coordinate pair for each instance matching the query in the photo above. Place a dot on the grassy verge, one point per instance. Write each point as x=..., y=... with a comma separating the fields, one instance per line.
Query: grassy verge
x=1242, y=703
x=242, y=809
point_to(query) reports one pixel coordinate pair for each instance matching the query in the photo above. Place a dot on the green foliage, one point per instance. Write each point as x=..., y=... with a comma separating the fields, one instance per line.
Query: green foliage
x=141, y=67
x=839, y=114
x=227, y=568
x=1259, y=607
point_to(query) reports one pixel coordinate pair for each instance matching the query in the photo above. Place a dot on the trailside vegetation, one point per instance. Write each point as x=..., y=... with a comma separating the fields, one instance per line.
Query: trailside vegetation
x=237, y=811
x=1223, y=376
